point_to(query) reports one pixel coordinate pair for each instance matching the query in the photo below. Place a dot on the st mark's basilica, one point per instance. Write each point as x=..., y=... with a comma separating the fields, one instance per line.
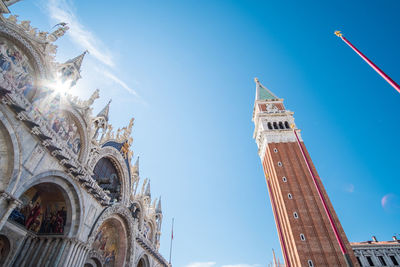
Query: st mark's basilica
x=69, y=192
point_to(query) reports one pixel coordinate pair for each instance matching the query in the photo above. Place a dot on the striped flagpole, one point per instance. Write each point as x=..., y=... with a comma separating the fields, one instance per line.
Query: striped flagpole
x=375, y=67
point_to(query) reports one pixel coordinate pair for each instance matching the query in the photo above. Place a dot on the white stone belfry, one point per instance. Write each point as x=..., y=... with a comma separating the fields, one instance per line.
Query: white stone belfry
x=273, y=123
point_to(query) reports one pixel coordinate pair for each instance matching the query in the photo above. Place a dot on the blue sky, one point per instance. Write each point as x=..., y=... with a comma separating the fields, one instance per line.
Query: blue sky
x=185, y=69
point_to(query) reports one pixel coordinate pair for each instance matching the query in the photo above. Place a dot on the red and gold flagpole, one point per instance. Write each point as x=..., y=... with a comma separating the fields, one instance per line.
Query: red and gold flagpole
x=375, y=67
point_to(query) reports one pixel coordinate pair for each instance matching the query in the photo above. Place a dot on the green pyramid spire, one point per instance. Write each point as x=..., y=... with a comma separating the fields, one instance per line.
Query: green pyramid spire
x=262, y=93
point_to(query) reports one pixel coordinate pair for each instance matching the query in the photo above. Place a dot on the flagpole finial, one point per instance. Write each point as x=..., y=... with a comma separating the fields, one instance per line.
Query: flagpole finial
x=338, y=34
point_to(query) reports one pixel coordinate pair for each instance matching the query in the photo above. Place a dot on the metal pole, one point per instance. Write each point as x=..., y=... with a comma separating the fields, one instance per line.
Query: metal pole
x=324, y=204
x=375, y=67
x=172, y=237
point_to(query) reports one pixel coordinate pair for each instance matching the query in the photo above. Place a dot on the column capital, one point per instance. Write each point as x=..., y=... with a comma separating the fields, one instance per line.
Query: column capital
x=10, y=198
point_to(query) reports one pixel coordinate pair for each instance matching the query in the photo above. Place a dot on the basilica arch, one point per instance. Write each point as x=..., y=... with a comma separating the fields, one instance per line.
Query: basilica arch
x=9, y=155
x=118, y=161
x=34, y=56
x=70, y=196
x=143, y=261
x=110, y=238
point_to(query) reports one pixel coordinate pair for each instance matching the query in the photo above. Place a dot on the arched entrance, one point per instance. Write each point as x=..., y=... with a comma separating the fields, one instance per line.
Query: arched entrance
x=4, y=249
x=45, y=210
x=143, y=262
x=110, y=242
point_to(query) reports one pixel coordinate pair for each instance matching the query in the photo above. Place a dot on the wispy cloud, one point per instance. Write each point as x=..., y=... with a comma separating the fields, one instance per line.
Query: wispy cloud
x=212, y=264
x=118, y=81
x=201, y=264
x=349, y=188
x=391, y=202
x=64, y=11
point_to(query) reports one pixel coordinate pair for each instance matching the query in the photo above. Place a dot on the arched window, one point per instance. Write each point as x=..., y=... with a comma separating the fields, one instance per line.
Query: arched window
x=275, y=125
x=281, y=125
x=269, y=126
x=107, y=177
x=287, y=126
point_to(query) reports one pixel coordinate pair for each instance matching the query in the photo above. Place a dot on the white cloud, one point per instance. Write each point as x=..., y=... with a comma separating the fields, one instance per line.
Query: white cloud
x=212, y=264
x=63, y=11
x=118, y=81
x=241, y=265
x=349, y=188
x=201, y=264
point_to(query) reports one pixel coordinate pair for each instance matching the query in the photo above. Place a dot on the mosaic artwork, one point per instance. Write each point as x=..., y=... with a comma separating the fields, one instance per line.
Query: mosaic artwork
x=15, y=69
x=43, y=211
x=109, y=244
x=64, y=125
x=47, y=103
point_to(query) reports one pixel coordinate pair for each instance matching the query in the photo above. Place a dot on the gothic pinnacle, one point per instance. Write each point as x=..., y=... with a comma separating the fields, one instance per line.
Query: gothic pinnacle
x=104, y=112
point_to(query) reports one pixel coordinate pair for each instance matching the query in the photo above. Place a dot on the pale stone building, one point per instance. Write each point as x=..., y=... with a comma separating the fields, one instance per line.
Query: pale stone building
x=377, y=253
x=69, y=195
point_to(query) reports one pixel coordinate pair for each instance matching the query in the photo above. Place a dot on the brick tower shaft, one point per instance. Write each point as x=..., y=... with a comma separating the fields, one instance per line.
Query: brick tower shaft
x=309, y=230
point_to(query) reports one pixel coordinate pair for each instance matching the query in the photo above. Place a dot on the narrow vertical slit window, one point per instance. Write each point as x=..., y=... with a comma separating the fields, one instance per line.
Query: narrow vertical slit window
x=296, y=216
x=284, y=179
x=302, y=237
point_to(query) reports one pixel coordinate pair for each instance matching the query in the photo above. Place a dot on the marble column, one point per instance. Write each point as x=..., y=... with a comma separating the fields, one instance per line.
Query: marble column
x=36, y=252
x=7, y=204
x=71, y=253
x=25, y=255
x=66, y=254
x=78, y=256
x=83, y=257
x=58, y=256
x=43, y=254
x=20, y=257
x=75, y=255
x=52, y=251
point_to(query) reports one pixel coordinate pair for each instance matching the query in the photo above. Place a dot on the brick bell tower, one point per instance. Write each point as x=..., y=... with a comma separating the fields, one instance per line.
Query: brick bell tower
x=309, y=230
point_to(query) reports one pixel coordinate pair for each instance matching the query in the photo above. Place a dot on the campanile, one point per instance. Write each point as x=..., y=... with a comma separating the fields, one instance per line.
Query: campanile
x=309, y=230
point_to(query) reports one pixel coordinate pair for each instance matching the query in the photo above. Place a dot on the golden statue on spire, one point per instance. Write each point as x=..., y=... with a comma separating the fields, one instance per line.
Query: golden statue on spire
x=338, y=34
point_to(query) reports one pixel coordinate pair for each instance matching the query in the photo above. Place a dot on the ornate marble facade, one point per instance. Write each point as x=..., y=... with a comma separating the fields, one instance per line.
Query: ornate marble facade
x=69, y=193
